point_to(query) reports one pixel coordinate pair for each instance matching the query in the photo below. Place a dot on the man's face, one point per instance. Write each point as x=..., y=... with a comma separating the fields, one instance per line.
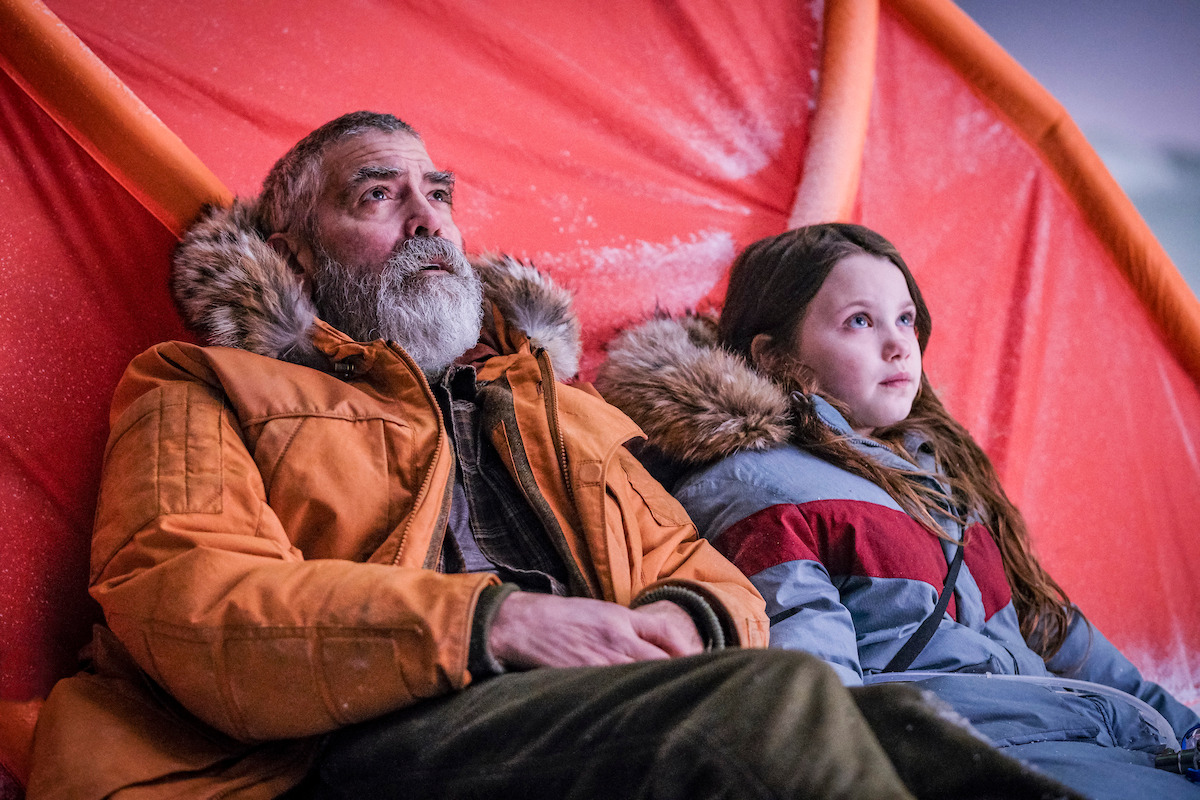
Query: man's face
x=381, y=189
x=386, y=259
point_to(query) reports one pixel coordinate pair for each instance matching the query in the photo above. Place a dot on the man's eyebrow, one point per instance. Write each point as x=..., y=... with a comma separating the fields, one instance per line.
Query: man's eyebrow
x=441, y=176
x=371, y=172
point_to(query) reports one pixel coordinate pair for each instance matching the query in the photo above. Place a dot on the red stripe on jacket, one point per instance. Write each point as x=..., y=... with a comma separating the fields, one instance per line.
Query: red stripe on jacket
x=851, y=537
x=987, y=568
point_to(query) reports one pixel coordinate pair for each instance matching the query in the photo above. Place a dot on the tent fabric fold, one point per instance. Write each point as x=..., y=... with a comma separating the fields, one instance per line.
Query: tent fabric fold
x=632, y=154
x=99, y=112
x=837, y=134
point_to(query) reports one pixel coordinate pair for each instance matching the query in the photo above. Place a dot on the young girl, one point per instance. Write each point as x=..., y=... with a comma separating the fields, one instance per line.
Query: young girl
x=817, y=458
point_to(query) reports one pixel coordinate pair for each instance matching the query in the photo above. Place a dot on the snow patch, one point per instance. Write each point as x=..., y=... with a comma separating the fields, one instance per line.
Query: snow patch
x=1178, y=673
x=1177, y=415
x=732, y=132
x=738, y=145
x=652, y=267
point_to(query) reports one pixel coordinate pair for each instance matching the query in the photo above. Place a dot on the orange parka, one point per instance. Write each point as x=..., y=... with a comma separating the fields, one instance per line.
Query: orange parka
x=264, y=549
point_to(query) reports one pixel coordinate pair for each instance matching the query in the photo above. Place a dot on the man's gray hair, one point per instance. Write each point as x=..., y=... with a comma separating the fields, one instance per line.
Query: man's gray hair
x=290, y=191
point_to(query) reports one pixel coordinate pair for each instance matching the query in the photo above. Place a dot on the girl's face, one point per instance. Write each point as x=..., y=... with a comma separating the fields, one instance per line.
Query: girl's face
x=859, y=338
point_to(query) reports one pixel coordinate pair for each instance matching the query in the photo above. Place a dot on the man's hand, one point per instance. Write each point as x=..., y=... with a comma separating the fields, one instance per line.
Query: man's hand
x=541, y=630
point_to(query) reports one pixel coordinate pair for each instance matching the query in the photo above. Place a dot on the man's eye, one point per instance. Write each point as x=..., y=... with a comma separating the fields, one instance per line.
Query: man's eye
x=378, y=193
x=442, y=196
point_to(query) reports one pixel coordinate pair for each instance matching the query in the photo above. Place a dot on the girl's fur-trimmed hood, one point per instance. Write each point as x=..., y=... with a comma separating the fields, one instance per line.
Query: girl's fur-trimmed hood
x=696, y=401
x=234, y=290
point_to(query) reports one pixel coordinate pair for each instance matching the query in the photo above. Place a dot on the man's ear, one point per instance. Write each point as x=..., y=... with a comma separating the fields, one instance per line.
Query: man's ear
x=294, y=251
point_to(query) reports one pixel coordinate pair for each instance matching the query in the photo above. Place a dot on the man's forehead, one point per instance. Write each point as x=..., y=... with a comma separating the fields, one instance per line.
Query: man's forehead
x=374, y=153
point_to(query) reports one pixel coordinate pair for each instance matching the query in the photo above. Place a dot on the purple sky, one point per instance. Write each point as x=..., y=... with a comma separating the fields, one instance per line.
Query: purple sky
x=1129, y=65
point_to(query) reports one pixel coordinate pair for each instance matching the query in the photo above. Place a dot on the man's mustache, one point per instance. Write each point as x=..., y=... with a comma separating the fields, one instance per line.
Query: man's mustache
x=415, y=254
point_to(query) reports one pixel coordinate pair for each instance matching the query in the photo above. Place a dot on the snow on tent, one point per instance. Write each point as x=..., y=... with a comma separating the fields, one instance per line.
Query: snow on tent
x=630, y=153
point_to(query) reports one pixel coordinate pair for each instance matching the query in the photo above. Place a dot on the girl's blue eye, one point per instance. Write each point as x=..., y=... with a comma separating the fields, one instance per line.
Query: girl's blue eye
x=908, y=318
x=858, y=321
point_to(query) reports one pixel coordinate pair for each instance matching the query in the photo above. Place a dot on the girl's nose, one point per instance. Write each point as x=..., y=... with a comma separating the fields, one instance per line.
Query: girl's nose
x=897, y=346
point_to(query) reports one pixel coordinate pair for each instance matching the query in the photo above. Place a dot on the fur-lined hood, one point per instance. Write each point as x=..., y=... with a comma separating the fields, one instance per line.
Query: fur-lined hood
x=234, y=290
x=696, y=401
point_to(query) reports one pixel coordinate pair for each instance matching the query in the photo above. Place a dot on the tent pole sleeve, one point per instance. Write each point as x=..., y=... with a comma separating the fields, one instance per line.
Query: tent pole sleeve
x=103, y=116
x=1045, y=124
x=838, y=132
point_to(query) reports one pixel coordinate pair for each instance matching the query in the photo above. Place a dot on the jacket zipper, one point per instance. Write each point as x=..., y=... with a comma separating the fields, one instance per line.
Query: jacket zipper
x=551, y=395
x=438, y=451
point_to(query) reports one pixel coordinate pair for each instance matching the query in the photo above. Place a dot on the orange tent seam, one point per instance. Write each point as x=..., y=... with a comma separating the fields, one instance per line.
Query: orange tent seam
x=63, y=76
x=1045, y=124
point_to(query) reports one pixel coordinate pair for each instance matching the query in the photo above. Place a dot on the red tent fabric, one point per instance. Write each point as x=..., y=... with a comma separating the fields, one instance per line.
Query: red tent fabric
x=631, y=151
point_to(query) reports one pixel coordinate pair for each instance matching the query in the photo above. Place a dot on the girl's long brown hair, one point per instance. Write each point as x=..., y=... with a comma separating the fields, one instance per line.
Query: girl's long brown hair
x=770, y=286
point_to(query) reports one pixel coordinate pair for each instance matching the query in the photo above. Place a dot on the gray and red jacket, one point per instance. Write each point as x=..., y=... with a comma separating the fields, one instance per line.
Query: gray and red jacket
x=845, y=572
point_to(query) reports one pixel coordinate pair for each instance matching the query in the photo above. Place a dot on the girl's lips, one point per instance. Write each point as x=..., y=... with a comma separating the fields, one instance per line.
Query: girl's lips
x=897, y=380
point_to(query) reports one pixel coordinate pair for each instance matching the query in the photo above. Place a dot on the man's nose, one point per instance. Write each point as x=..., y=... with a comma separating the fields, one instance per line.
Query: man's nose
x=420, y=218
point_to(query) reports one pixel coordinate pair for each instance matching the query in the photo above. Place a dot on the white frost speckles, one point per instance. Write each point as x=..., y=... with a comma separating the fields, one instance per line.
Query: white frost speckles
x=1178, y=672
x=572, y=215
x=817, y=9
x=700, y=249
x=673, y=274
x=735, y=143
x=722, y=131
x=987, y=136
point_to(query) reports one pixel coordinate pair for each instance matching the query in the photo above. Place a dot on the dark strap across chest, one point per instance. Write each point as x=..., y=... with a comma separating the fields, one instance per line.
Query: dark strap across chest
x=916, y=643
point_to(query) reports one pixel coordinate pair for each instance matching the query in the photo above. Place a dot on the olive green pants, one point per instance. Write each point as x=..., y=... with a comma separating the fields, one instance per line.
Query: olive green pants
x=735, y=724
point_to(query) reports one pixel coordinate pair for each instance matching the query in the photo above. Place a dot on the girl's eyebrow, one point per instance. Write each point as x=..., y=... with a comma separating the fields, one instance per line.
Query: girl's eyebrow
x=857, y=303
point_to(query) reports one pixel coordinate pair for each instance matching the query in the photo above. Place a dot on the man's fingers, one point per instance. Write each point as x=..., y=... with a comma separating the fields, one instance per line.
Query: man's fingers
x=536, y=630
x=642, y=649
x=669, y=627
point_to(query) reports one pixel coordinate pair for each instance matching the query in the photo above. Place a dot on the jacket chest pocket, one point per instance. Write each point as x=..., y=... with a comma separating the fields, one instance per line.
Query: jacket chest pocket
x=337, y=484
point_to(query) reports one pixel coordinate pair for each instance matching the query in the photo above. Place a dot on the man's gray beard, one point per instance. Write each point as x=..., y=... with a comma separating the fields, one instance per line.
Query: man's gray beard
x=435, y=318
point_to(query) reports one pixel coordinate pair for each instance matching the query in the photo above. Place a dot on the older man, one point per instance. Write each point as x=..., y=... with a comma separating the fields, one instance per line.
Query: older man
x=343, y=550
